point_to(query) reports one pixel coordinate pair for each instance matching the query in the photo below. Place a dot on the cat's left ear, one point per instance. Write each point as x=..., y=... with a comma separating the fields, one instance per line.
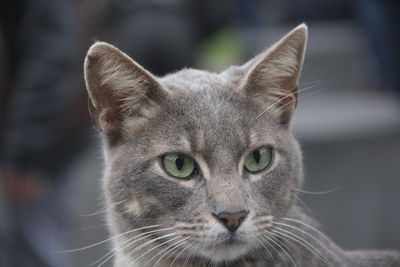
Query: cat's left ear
x=119, y=88
x=273, y=76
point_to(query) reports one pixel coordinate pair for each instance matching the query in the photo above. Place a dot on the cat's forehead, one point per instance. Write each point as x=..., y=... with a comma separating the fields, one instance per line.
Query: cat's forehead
x=196, y=80
x=204, y=94
x=211, y=104
x=204, y=98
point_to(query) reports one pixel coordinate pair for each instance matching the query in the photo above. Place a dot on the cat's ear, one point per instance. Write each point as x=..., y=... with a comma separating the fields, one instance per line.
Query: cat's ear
x=273, y=75
x=118, y=87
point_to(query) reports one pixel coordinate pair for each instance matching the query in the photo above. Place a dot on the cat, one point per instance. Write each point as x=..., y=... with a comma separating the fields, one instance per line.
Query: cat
x=201, y=168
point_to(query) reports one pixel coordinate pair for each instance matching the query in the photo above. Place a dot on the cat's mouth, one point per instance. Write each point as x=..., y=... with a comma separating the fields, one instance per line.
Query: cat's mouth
x=229, y=248
x=231, y=240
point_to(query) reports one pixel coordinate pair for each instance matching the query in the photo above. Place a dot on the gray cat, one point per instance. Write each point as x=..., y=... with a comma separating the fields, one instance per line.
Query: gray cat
x=201, y=168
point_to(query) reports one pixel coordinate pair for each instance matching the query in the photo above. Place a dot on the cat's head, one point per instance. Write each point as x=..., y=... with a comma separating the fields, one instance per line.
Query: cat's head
x=203, y=161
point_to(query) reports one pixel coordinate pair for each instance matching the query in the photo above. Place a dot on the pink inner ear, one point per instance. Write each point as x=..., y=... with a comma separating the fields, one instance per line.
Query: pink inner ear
x=279, y=67
x=118, y=86
x=272, y=82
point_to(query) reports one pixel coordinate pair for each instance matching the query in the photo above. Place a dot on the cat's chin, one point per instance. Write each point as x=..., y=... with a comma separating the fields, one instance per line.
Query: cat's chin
x=225, y=251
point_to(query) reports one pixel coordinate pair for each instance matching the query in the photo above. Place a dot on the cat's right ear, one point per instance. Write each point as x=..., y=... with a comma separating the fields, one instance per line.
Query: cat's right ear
x=272, y=78
x=118, y=88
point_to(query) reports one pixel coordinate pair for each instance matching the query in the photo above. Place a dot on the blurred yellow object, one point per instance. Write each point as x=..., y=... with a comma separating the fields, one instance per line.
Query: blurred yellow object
x=222, y=49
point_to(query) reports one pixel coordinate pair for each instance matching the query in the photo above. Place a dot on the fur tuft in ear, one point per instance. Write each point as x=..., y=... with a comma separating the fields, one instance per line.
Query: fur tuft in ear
x=118, y=87
x=275, y=74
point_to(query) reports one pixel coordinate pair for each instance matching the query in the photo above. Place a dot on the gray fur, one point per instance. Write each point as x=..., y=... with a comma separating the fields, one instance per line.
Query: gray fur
x=217, y=119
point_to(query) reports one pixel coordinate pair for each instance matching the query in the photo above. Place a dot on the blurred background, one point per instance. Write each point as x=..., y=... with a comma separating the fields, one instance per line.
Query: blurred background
x=348, y=118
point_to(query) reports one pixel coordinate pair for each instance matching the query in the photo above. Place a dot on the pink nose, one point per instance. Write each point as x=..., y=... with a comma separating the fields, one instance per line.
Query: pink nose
x=231, y=221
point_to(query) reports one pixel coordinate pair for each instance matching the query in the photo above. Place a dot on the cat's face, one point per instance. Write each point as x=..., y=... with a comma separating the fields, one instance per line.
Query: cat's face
x=200, y=161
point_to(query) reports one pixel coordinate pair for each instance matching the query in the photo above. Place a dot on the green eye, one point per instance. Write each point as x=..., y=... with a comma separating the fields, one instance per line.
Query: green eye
x=178, y=165
x=258, y=159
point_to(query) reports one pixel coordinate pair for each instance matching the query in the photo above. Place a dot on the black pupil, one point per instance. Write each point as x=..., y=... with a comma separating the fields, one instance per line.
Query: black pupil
x=257, y=156
x=179, y=162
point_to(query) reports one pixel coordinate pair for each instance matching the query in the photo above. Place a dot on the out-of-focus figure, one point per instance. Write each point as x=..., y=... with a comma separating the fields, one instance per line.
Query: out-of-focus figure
x=381, y=23
x=38, y=134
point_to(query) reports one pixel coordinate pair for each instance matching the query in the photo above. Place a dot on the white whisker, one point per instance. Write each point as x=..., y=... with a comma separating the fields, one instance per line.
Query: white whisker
x=306, y=225
x=270, y=254
x=302, y=242
x=311, y=82
x=103, y=209
x=177, y=256
x=285, y=97
x=244, y=261
x=302, y=231
x=128, y=243
x=155, y=247
x=300, y=97
x=284, y=250
x=142, y=246
x=190, y=254
x=306, y=207
x=84, y=229
x=168, y=250
x=316, y=193
x=109, y=239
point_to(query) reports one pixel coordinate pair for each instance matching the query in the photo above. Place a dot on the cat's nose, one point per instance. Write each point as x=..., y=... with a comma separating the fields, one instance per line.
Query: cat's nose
x=231, y=221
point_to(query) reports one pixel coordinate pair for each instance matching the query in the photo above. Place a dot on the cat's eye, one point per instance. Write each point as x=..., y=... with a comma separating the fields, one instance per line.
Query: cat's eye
x=178, y=165
x=258, y=159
